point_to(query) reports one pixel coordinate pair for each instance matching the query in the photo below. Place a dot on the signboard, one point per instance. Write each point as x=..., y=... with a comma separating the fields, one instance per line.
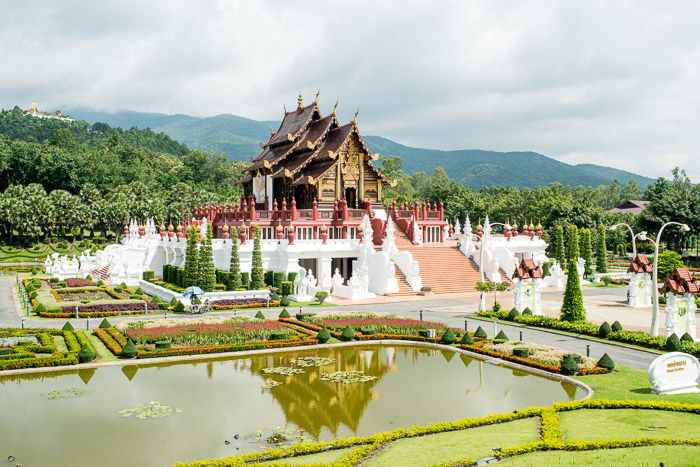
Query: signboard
x=642, y=289
x=674, y=373
x=682, y=313
x=529, y=295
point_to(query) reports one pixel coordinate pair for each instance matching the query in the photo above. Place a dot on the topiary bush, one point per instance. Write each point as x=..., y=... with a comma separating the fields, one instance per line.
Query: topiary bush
x=606, y=362
x=569, y=365
x=321, y=296
x=163, y=345
x=285, y=301
x=68, y=327
x=673, y=344
x=86, y=354
x=616, y=326
x=40, y=308
x=448, y=336
x=260, y=315
x=179, y=307
x=348, y=334
x=323, y=336
x=604, y=330
x=129, y=350
x=501, y=336
x=527, y=311
x=467, y=339
x=606, y=280
x=286, y=288
x=105, y=324
x=480, y=333
x=577, y=358
x=522, y=352
x=5, y=351
x=687, y=338
x=284, y=313
x=277, y=335
x=513, y=313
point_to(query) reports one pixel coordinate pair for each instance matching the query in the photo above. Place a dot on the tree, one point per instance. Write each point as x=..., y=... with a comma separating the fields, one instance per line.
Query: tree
x=494, y=287
x=668, y=261
x=191, y=258
x=235, y=266
x=586, y=251
x=257, y=274
x=601, y=251
x=559, y=250
x=572, y=306
x=207, y=271
x=572, y=247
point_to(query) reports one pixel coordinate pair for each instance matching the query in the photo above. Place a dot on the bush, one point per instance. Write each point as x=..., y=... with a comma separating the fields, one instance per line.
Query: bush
x=522, y=352
x=277, y=279
x=118, y=289
x=501, y=336
x=5, y=351
x=321, y=296
x=673, y=344
x=245, y=279
x=467, y=339
x=29, y=288
x=606, y=280
x=138, y=291
x=268, y=277
x=604, y=330
x=86, y=354
x=100, y=284
x=129, y=350
x=496, y=307
x=40, y=308
x=569, y=365
x=348, y=334
x=260, y=315
x=323, y=336
x=577, y=358
x=33, y=271
x=286, y=288
x=155, y=299
x=179, y=307
x=480, y=333
x=527, y=312
x=68, y=326
x=278, y=336
x=148, y=275
x=285, y=301
x=513, y=314
x=284, y=313
x=448, y=337
x=606, y=362
x=163, y=345
x=687, y=338
x=62, y=284
x=291, y=276
x=616, y=326
x=163, y=306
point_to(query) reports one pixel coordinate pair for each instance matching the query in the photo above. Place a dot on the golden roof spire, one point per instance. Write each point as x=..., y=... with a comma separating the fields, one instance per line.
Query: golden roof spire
x=316, y=98
x=300, y=100
x=335, y=107
x=354, y=119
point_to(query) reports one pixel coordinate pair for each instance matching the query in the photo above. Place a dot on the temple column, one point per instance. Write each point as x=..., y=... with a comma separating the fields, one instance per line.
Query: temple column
x=361, y=188
x=268, y=192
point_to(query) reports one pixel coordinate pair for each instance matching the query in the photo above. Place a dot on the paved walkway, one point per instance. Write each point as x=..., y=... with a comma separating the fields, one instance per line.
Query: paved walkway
x=8, y=303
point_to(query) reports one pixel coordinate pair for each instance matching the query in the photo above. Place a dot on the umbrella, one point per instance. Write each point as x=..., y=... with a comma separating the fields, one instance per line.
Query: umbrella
x=192, y=291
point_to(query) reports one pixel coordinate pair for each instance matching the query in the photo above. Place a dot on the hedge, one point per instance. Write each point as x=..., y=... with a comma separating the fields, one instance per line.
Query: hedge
x=226, y=348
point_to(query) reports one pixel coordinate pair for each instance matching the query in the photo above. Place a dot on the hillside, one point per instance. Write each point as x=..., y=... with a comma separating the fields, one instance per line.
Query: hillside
x=238, y=137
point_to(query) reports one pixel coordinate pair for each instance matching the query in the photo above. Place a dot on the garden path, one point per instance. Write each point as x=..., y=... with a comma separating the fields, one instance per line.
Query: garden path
x=8, y=303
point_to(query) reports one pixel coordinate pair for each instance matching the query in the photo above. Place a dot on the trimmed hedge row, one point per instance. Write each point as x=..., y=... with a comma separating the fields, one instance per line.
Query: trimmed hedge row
x=274, y=344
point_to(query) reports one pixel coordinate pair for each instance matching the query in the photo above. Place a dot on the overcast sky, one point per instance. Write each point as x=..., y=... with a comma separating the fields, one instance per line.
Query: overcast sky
x=611, y=83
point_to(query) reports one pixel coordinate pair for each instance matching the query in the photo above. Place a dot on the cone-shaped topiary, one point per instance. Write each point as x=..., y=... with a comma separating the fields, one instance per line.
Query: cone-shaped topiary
x=601, y=250
x=673, y=343
x=527, y=311
x=257, y=274
x=448, y=337
x=285, y=301
x=105, y=324
x=572, y=309
x=512, y=314
x=260, y=315
x=86, y=354
x=348, y=334
x=569, y=365
x=284, y=313
x=606, y=362
x=323, y=336
x=559, y=248
x=687, y=338
x=616, y=326
x=480, y=333
x=179, y=307
x=467, y=339
x=501, y=336
x=68, y=327
x=604, y=329
x=129, y=350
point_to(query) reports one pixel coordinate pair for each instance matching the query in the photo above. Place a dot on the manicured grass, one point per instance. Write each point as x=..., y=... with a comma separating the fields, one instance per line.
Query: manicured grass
x=60, y=343
x=676, y=456
x=473, y=443
x=103, y=353
x=630, y=383
x=320, y=458
x=595, y=424
x=600, y=285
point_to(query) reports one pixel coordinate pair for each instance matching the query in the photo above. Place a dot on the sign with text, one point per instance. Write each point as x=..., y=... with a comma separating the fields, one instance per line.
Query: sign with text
x=674, y=373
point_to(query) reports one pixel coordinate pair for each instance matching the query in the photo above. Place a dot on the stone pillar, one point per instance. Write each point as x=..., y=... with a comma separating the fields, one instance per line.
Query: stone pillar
x=680, y=315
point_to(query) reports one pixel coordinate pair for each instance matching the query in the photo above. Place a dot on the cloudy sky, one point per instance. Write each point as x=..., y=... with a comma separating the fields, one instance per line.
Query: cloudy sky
x=612, y=83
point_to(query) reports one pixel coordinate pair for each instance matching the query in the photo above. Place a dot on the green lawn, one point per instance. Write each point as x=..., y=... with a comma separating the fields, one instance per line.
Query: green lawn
x=630, y=383
x=60, y=343
x=595, y=424
x=320, y=458
x=473, y=443
x=676, y=456
x=103, y=353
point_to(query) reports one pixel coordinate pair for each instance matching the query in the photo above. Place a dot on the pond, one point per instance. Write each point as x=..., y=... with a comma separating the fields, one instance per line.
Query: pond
x=161, y=413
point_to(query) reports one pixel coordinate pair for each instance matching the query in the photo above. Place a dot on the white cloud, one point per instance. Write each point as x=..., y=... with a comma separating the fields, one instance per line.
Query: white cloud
x=613, y=83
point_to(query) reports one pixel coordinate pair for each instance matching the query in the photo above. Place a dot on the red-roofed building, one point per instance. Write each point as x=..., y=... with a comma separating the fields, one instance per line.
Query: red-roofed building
x=631, y=206
x=640, y=264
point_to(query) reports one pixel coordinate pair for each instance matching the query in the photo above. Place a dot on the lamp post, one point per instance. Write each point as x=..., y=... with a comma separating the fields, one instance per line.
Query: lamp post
x=634, y=237
x=655, y=291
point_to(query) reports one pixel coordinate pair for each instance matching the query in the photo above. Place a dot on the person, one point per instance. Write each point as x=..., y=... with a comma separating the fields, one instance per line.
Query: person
x=193, y=299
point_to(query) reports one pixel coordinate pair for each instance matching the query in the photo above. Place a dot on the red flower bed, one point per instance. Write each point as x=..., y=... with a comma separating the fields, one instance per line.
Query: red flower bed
x=90, y=314
x=108, y=340
x=73, y=282
x=374, y=322
x=230, y=304
x=227, y=348
x=144, y=334
x=110, y=307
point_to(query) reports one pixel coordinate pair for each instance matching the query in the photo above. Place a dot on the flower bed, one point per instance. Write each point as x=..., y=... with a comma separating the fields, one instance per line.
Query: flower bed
x=227, y=348
x=100, y=310
x=390, y=325
x=235, y=303
x=74, y=282
x=33, y=356
x=109, y=340
x=85, y=294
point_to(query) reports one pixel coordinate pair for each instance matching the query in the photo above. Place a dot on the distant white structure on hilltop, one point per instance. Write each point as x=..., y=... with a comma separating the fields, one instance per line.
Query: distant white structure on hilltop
x=34, y=112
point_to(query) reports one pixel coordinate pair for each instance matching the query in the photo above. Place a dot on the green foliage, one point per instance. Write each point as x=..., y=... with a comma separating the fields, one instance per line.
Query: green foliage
x=572, y=306
x=668, y=261
x=235, y=264
x=616, y=326
x=513, y=313
x=606, y=280
x=260, y=315
x=129, y=350
x=163, y=345
x=257, y=274
x=569, y=365
x=179, y=307
x=601, y=250
x=606, y=362
x=321, y=296
x=324, y=336
x=586, y=251
x=191, y=258
x=291, y=276
x=148, y=275
x=206, y=269
x=286, y=288
x=527, y=312
x=687, y=338
x=285, y=301
x=480, y=333
x=448, y=337
x=467, y=339
x=572, y=247
x=673, y=344
x=501, y=336
x=86, y=354
x=277, y=279
x=105, y=324
x=605, y=330
x=348, y=334
x=522, y=352
x=559, y=249
x=68, y=326
x=284, y=313
x=268, y=277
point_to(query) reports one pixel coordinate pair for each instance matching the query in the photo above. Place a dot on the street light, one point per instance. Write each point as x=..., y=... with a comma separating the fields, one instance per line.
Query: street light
x=655, y=291
x=634, y=237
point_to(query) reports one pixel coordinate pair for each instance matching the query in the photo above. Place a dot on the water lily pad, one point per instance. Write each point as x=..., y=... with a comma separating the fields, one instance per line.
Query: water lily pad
x=69, y=393
x=347, y=377
x=282, y=370
x=151, y=409
x=312, y=361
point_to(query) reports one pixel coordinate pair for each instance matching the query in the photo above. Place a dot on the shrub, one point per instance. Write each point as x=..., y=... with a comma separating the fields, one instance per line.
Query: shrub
x=274, y=297
x=155, y=299
x=174, y=302
x=496, y=307
x=62, y=284
x=501, y=336
x=284, y=313
x=321, y=296
x=480, y=333
x=245, y=279
x=616, y=326
x=348, y=334
x=100, y=284
x=105, y=324
x=522, y=352
x=179, y=307
x=285, y=301
x=33, y=271
x=323, y=336
x=118, y=289
x=577, y=358
x=268, y=277
x=606, y=362
x=148, y=275
x=138, y=291
x=163, y=306
x=569, y=365
x=286, y=288
x=303, y=316
x=604, y=330
x=448, y=337
x=129, y=350
x=29, y=288
x=673, y=344
x=260, y=315
x=86, y=354
x=277, y=279
x=467, y=339
x=291, y=276
x=68, y=326
x=513, y=314
x=162, y=345
x=40, y=308
x=527, y=312
x=278, y=335
x=606, y=280
x=5, y=351
x=133, y=297
x=687, y=338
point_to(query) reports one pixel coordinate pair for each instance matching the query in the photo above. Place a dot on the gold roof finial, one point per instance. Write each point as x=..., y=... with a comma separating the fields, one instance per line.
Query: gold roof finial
x=316, y=98
x=354, y=119
x=335, y=107
x=300, y=100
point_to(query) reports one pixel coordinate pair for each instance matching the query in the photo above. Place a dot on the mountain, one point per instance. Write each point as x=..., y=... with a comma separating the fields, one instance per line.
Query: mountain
x=238, y=137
